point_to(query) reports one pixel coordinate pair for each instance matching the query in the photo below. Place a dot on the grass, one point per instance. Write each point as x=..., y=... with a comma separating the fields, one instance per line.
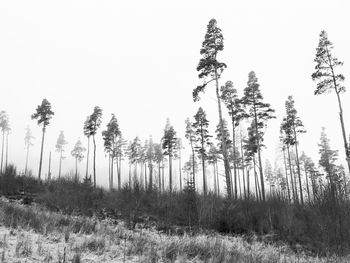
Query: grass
x=102, y=240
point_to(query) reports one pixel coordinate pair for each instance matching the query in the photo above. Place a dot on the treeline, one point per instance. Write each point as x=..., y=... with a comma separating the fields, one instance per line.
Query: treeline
x=235, y=149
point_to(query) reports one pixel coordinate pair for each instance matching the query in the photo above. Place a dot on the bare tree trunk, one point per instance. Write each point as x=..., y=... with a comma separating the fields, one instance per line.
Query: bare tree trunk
x=119, y=173
x=130, y=174
x=93, y=138
x=307, y=183
x=87, y=159
x=298, y=166
x=59, y=169
x=180, y=170
x=291, y=175
x=234, y=154
x=150, y=166
x=76, y=169
x=41, y=152
x=26, y=167
x=146, y=183
x=170, y=174
x=49, y=173
x=223, y=141
x=239, y=183
x=285, y=170
x=159, y=178
x=256, y=181
x=244, y=185
x=163, y=184
x=214, y=176
x=217, y=177
x=7, y=148
x=2, y=151
x=248, y=184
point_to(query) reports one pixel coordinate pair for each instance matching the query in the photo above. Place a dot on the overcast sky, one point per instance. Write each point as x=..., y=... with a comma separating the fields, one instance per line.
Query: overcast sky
x=138, y=59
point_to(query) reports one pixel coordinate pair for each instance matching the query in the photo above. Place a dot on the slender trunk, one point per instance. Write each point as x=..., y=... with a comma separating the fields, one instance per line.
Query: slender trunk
x=76, y=169
x=223, y=141
x=7, y=148
x=93, y=138
x=41, y=153
x=285, y=170
x=291, y=174
x=119, y=172
x=214, y=176
x=193, y=166
x=112, y=171
x=87, y=159
x=180, y=171
x=307, y=183
x=239, y=183
x=259, y=156
x=146, y=183
x=234, y=154
x=217, y=178
x=26, y=167
x=346, y=146
x=129, y=174
x=159, y=178
x=49, y=173
x=248, y=184
x=295, y=185
x=59, y=168
x=2, y=151
x=204, y=176
x=109, y=171
x=170, y=173
x=256, y=180
x=150, y=165
x=163, y=185
x=298, y=166
x=244, y=185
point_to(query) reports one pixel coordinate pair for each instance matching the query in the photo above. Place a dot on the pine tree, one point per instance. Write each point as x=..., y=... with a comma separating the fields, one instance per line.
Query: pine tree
x=61, y=142
x=78, y=155
x=210, y=69
x=169, y=147
x=213, y=157
x=178, y=149
x=202, y=137
x=93, y=124
x=236, y=111
x=158, y=158
x=328, y=79
x=293, y=126
x=110, y=137
x=4, y=126
x=150, y=156
x=189, y=134
x=43, y=116
x=28, y=143
x=260, y=112
x=328, y=157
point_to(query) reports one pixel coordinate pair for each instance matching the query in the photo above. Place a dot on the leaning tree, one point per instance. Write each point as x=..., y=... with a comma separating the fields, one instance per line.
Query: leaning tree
x=43, y=116
x=329, y=79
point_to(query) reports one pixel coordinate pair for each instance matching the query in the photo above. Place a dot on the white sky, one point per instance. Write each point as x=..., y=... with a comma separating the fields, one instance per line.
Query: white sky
x=138, y=59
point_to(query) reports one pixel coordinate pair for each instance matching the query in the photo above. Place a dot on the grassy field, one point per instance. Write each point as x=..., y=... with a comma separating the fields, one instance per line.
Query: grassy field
x=33, y=234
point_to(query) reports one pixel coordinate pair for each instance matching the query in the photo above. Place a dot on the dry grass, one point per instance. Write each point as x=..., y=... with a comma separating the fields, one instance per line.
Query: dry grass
x=42, y=236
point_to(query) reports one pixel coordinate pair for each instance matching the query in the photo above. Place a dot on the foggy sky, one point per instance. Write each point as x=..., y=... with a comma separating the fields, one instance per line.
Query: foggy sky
x=138, y=59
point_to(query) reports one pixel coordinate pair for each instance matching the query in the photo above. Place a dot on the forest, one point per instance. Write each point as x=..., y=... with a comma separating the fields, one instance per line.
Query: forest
x=221, y=182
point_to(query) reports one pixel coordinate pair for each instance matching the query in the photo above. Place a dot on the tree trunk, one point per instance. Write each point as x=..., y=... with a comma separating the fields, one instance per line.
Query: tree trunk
x=146, y=183
x=180, y=170
x=239, y=183
x=2, y=151
x=112, y=171
x=76, y=169
x=244, y=185
x=298, y=166
x=234, y=154
x=217, y=177
x=223, y=141
x=170, y=174
x=150, y=166
x=256, y=181
x=163, y=184
x=159, y=178
x=119, y=172
x=248, y=184
x=129, y=174
x=93, y=138
x=285, y=170
x=87, y=159
x=7, y=149
x=26, y=167
x=59, y=169
x=291, y=175
x=214, y=176
x=49, y=172
x=307, y=183
x=41, y=152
